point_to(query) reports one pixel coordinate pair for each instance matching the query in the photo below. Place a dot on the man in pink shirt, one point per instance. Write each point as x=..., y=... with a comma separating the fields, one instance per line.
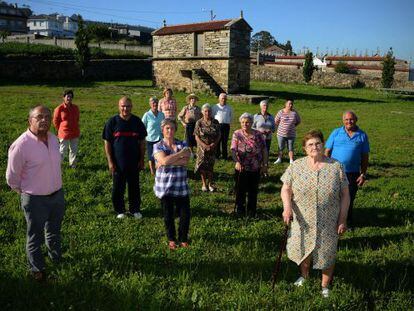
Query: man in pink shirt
x=33, y=171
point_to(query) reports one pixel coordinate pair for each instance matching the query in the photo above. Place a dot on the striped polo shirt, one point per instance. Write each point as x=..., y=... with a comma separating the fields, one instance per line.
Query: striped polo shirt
x=286, y=123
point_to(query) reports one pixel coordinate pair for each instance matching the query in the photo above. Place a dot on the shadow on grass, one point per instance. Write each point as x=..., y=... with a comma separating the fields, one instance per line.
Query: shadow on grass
x=304, y=96
x=380, y=217
x=64, y=84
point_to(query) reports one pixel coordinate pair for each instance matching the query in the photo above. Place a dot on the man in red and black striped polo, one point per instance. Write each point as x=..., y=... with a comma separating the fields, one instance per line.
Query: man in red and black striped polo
x=124, y=136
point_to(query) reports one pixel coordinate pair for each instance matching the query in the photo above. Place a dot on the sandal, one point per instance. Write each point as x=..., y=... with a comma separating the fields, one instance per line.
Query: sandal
x=172, y=246
x=184, y=244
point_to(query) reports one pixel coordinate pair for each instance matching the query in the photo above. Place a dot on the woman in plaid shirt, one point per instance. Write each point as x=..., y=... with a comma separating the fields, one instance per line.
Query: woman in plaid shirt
x=171, y=184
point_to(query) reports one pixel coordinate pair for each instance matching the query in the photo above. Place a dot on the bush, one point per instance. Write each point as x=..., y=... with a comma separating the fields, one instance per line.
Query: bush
x=342, y=67
x=308, y=67
x=388, y=70
x=25, y=50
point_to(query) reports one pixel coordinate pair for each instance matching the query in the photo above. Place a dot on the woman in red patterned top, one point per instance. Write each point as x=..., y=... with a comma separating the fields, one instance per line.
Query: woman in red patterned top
x=286, y=121
x=248, y=148
x=168, y=105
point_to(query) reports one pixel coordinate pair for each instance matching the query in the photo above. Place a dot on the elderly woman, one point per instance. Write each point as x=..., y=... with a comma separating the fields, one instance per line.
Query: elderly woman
x=152, y=120
x=264, y=123
x=188, y=117
x=286, y=121
x=167, y=104
x=207, y=135
x=249, y=152
x=315, y=198
x=171, y=185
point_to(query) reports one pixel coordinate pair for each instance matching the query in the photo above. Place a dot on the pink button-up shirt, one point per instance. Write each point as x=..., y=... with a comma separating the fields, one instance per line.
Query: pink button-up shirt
x=33, y=167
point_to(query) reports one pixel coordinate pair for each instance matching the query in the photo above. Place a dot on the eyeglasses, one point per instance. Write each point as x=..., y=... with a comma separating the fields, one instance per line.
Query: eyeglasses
x=39, y=117
x=317, y=145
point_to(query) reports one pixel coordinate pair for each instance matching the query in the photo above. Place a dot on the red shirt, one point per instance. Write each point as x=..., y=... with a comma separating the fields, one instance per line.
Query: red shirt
x=66, y=121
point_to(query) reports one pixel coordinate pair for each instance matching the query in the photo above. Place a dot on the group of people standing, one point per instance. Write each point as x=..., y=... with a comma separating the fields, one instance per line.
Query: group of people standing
x=317, y=193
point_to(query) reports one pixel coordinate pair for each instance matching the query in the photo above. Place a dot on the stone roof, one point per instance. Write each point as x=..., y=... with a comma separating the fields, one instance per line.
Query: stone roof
x=197, y=27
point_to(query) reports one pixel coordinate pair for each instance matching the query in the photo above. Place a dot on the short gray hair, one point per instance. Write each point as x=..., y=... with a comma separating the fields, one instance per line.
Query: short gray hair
x=169, y=121
x=40, y=107
x=153, y=99
x=264, y=102
x=350, y=112
x=246, y=115
x=206, y=106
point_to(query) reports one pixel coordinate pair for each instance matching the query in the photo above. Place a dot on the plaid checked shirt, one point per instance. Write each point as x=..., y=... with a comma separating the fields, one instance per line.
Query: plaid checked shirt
x=170, y=180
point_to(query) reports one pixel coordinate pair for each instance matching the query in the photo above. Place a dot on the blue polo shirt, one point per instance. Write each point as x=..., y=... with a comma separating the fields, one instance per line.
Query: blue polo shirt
x=348, y=150
x=152, y=123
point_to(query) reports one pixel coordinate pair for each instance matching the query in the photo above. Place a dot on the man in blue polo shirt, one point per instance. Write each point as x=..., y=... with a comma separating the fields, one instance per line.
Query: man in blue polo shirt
x=124, y=136
x=349, y=145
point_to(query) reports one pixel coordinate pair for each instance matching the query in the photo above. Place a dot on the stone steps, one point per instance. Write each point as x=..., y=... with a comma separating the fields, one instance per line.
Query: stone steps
x=209, y=84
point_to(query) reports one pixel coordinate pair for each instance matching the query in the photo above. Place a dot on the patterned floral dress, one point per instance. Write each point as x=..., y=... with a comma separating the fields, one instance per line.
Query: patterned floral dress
x=208, y=132
x=316, y=206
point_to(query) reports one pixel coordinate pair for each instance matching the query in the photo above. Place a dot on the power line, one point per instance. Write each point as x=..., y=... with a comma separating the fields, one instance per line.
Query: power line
x=93, y=12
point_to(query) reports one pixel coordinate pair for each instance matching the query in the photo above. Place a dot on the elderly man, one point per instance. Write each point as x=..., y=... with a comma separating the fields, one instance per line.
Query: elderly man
x=349, y=145
x=66, y=122
x=124, y=138
x=33, y=171
x=223, y=113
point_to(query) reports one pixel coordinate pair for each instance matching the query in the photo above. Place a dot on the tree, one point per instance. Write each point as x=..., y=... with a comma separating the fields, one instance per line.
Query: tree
x=288, y=48
x=4, y=34
x=98, y=32
x=388, y=70
x=262, y=40
x=83, y=53
x=308, y=67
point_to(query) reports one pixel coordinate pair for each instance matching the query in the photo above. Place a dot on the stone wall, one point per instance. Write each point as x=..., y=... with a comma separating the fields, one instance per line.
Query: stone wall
x=240, y=43
x=216, y=44
x=167, y=72
x=61, y=70
x=239, y=75
x=327, y=79
x=178, y=45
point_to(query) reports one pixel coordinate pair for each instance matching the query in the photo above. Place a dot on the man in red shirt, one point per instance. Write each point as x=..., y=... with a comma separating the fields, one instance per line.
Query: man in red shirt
x=66, y=122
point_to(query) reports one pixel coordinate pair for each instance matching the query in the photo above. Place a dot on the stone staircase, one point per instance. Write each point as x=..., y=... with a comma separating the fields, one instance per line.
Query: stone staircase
x=203, y=82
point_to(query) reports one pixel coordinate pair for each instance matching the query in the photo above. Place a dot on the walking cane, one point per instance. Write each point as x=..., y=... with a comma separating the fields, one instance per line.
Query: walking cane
x=279, y=257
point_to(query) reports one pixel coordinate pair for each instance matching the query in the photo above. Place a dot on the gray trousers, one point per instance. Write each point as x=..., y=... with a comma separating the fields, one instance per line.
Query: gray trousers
x=44, y=215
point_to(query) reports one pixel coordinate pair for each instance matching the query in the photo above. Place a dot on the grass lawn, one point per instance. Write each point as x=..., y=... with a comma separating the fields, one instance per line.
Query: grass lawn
x=112, y=264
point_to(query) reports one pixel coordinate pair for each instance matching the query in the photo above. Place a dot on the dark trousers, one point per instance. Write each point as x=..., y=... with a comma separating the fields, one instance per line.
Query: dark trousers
x=353, y=188
x=246, y=183
x=119, y=181
x=221, y=149
x=182, y=209
x=44, y=215
x=268, y=143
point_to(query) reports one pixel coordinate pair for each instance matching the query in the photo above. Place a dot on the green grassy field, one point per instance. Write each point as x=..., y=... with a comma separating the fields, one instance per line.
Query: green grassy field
x=112, y=264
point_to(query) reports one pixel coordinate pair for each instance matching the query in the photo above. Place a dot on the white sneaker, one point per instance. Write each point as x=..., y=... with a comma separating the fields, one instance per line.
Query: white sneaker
x=138, y=215
x=300, y=281
x=278, y=161
x=121, y=216
x=325, y=292
x=291, y=161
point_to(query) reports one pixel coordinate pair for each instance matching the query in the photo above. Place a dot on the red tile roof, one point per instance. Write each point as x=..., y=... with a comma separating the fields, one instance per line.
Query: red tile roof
x=186, y=28
x=355, y=58
x=290, y=57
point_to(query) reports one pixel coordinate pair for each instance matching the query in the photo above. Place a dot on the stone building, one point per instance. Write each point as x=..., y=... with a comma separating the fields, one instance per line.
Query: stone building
x=13, y=19
x=210, y=57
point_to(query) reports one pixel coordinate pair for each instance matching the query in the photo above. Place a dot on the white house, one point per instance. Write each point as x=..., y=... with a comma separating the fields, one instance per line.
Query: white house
x=53, y=25
x=319, y=63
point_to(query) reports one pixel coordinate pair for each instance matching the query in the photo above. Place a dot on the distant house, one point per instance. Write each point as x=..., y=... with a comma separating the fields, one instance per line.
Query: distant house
x=53, y=25
x=211, y=56
x=13, y=19
x=364, y=64
x=274, y=50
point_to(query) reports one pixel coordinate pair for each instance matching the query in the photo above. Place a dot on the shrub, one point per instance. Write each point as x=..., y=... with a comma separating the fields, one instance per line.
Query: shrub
x=342, y=67
x=25, y=50
x=308, y=67
x=83, y=53
x=388, y=69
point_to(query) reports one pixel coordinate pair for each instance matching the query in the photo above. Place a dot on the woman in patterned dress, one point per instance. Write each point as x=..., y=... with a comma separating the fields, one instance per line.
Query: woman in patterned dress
x=315, y=199
x=207, y=135
x=248, y=148
x=188, y=117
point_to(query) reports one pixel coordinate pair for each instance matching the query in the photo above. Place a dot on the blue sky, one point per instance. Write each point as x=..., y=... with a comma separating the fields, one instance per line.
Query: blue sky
x=334, y=25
